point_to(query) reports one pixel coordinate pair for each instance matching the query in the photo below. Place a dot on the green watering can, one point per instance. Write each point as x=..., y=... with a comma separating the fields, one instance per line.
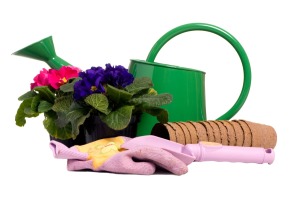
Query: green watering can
x=186, y=85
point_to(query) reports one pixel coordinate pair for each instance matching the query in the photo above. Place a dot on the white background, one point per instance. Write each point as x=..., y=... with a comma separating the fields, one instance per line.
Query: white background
x=94, y=33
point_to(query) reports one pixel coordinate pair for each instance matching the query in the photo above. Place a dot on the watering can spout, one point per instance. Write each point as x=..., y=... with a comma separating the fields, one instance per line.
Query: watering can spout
x=43, y=50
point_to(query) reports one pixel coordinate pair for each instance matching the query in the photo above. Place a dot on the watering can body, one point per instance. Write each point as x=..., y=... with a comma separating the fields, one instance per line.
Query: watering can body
x=181, y=83
x=187, y=86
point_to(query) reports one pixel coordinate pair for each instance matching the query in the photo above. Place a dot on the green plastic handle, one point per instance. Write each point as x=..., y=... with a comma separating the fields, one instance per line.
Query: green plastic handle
x=227, y=36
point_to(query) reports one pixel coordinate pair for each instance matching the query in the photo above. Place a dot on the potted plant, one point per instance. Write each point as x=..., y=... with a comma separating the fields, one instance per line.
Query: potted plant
x=76, y=102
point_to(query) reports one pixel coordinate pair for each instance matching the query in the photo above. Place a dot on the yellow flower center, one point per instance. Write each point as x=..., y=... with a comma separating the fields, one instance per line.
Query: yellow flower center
x=63, y=80
x=93, y=88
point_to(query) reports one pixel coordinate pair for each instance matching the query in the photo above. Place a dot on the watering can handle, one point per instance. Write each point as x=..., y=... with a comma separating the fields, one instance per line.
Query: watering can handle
x=227, y=36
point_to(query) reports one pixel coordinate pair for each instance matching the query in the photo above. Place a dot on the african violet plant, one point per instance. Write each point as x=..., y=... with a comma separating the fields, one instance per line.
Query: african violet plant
x=69, y=96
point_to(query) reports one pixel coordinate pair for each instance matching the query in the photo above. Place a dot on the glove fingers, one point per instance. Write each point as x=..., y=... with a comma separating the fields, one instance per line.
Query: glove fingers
x=61, y=151
x=161, y=158
x=74, y=164
x=123, y=163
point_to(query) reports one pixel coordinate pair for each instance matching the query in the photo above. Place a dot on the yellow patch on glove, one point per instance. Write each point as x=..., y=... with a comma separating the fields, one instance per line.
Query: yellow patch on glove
x=101, y=150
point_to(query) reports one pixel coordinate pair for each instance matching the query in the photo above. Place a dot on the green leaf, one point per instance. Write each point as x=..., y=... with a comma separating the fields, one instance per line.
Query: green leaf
x=32, y=110
x=69, y=87
x=21, y=115
x=118, y=119
x=45, y=93
x=139, y=84
x=62, y=104
x=62, y=133
x=163, y=116
x=152, y=100
x=117, y=95
x=27, y=95
x=35, y=103
x=72, y=119
x=75, y=105
x=160, y=113
x=68, y=112
x=98, y=101
x=29, y=112
x=75, y=114
x=77, y=123
x=44, y=106
x=61, y=120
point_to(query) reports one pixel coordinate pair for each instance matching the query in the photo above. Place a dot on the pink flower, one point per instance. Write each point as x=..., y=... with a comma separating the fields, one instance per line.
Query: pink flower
x=40, y=79
x=59, y=77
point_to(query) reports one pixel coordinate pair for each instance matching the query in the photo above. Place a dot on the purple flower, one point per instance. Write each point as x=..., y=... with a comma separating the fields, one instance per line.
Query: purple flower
x=91, y=82
x=117, y=76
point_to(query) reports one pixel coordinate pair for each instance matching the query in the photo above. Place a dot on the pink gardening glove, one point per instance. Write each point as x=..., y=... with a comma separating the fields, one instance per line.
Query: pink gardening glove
x=107, y=155
x=142, y=160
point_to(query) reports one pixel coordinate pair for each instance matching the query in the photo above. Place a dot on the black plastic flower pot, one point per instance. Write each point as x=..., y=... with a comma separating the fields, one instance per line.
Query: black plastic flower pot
x=80, y=140
x=94, y=129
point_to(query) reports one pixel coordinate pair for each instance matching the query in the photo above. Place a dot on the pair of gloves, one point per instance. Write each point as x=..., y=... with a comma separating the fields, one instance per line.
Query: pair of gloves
x=141, y=155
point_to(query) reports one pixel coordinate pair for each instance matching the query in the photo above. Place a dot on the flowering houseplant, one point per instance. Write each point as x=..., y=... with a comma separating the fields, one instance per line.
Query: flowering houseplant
x=68, y=96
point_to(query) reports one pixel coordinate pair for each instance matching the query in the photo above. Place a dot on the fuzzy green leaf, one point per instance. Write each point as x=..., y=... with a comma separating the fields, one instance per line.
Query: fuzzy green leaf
x=160, y=113
x=62, y=133
x=117, y=95
x=163, y=116
x=62, y=104
x=75, y=105
x=98, y=101
x=69, y=87
x=29, y=112
x=72, y=116
x=27, y=95
x=139, y=84
x=152, y=100
x=77, y=123
x=61, y=120
x=44, y=106
x=21, y=115
x=45, y=93
x=35, y=103
x=75, y=114
x=118, y=119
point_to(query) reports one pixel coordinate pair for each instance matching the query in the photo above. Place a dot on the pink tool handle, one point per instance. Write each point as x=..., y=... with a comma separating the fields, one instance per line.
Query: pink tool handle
x=217, y=152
